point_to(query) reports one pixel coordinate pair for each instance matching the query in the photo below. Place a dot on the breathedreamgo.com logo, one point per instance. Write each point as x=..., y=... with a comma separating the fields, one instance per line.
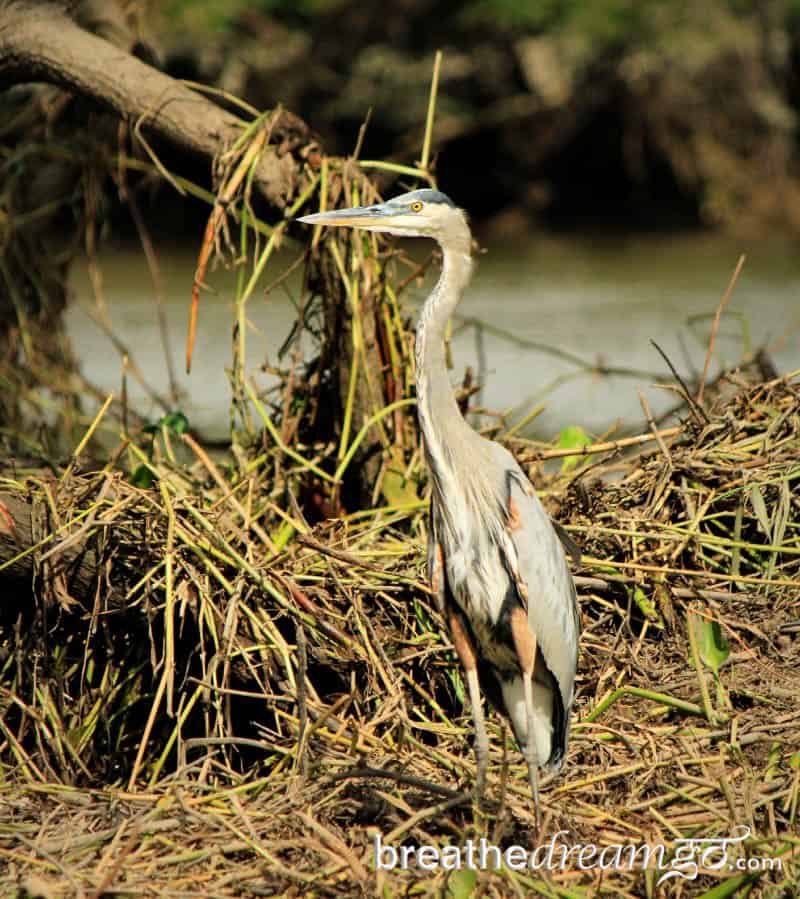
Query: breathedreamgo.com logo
x=683, y=859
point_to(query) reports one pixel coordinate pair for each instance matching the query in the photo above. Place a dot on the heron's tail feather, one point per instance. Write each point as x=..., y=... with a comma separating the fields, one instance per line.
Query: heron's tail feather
x=514, y=699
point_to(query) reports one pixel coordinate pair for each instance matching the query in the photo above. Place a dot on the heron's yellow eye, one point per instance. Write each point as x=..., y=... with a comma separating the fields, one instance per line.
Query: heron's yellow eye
x=416, y=206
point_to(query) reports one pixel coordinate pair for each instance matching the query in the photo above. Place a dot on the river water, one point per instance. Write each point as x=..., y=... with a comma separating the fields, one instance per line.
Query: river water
x=532, y=306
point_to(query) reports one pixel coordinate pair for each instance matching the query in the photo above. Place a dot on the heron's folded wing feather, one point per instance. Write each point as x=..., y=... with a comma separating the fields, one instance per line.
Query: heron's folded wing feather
x=568, y=543
x=541, y=565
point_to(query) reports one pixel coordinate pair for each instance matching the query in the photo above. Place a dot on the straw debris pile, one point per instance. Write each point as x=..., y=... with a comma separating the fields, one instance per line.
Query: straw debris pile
x=243, y=698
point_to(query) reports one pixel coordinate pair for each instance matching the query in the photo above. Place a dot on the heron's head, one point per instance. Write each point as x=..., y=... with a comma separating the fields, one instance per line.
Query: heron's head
x=421, y=213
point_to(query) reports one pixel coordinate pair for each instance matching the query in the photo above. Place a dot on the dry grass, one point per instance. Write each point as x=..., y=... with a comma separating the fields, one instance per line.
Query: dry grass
x=234, y=718
x=257, y=682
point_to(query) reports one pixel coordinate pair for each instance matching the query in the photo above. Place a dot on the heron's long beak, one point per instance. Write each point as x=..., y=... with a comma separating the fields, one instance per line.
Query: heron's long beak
x=358, y=217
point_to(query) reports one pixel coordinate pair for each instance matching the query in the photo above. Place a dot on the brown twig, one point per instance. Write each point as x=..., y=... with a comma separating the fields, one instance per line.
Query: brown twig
x=715, y=326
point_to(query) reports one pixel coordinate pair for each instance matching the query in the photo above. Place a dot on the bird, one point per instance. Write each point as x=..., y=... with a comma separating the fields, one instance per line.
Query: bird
x=496, y=562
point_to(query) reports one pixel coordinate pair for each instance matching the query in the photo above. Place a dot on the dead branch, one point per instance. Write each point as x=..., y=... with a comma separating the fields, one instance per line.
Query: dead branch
x=39, y=42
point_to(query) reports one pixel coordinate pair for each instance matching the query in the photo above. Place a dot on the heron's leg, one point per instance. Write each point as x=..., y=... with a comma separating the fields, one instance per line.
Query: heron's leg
x=469, y=659
x=481, y=737
x=525, y=645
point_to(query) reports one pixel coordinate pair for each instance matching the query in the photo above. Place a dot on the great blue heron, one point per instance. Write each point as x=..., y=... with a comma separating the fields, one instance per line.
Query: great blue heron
x=496, y=563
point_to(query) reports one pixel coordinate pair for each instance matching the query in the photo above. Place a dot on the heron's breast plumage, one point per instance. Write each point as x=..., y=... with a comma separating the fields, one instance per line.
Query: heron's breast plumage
x=469, y=529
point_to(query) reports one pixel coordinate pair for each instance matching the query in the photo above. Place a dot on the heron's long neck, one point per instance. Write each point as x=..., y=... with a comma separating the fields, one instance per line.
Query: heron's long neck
x=443, y=426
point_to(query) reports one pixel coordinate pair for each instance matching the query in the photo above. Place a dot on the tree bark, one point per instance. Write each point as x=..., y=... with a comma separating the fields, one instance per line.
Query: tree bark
x=39, y=42
x=75, y=570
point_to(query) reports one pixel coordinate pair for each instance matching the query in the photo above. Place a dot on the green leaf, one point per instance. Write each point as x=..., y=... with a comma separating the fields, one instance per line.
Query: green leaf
x=143, y=477
x=730, y=887
x=284, y=535
x=572, y=437
x=712, y=646
x=648, y=608
x=461, y=884
x=176, y=422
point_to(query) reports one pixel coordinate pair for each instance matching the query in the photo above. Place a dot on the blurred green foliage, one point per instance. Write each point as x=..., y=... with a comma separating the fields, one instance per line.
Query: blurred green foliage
x=605, y=19
x=607, y=22
x=215, y=14
x=572, y=437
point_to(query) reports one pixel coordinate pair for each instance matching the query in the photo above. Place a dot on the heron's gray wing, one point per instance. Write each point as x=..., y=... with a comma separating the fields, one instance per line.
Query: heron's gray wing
x=568, y=543
x=536, y=559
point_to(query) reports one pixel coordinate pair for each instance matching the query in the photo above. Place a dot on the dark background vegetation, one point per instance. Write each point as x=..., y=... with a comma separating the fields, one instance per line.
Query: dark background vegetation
x=633, y=113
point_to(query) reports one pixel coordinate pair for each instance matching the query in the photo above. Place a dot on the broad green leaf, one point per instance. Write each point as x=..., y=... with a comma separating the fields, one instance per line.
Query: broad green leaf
x=176, y=422
x=712, y=646
x=729, y=887
x=572, y=437
x=461, y=884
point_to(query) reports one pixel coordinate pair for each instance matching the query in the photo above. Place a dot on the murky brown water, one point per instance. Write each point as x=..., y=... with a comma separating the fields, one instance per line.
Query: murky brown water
x=594, y=298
